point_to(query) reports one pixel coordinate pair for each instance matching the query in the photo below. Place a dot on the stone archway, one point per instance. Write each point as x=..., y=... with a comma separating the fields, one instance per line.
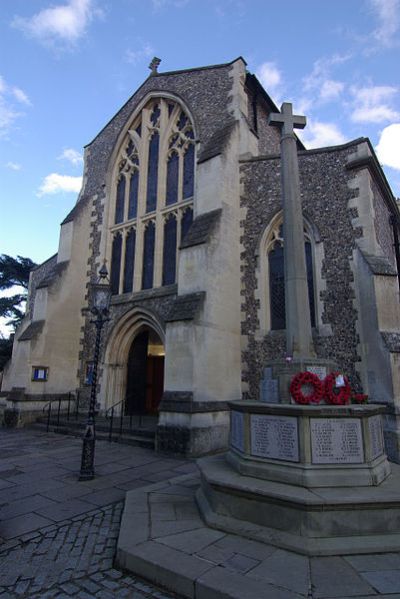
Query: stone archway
x=138, y=328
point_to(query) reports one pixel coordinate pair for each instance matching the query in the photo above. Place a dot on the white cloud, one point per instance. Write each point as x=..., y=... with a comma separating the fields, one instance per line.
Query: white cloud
x=388, y=15
x=67, y=22
x=372, y=104
x=14, y=166
x=55, y=183
x=10, y=96
x=388, y=146
x=319, y=82
x=318, y=134
x=269, y=75
x=21, y=96
x=73, y=156
x=331, y=89
x=136, y=56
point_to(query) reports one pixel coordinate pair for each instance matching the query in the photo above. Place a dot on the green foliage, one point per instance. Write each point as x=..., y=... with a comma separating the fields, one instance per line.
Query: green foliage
x=6, y=345
x=14, y=272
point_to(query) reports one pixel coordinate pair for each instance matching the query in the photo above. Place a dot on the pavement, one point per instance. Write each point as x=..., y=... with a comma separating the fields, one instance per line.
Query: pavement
x=58, y=536
x=63, y=538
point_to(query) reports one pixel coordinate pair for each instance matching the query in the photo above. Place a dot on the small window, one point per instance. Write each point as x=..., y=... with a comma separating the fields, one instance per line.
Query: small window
x=40, y=373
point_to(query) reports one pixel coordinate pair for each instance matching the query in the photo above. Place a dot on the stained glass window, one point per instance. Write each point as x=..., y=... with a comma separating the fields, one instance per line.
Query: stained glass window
x=154, y=170
x=152, y=173
x=129, y=261
x=133, y=194
x=120, y=203
x=172, y=179
x=169, y=254
x=277, y=285
x=188, y=172
x=116, y=263
x=186, y=221
x=148, y=255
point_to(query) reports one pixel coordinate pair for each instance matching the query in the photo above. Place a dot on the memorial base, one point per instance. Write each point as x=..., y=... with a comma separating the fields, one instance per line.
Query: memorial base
x=313, y=479
x=318, y=521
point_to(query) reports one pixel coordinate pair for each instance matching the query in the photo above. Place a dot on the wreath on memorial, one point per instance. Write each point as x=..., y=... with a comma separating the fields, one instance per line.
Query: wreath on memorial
x=333, y=393
x=310, y=379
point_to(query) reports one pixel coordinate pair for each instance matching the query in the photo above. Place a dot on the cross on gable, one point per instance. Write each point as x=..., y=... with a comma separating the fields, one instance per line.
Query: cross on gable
x=287, y=120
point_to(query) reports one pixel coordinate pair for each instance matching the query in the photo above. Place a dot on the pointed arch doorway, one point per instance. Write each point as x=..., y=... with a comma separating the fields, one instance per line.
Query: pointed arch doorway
x=145, y=373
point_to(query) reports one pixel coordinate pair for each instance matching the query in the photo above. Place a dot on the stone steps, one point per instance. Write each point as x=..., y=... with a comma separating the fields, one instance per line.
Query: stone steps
x=139, y=436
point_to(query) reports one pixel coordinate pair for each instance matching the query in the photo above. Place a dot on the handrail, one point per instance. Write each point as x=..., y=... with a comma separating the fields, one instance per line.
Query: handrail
x=71, y=397
x=109, y=414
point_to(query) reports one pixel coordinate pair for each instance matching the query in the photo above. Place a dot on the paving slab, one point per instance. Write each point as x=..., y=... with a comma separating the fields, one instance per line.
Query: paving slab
x=384, y=581
x=15, y=527
x=334, y=577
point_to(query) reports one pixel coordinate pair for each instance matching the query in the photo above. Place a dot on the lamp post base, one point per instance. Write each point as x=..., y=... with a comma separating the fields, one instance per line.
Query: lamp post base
x=87, y=463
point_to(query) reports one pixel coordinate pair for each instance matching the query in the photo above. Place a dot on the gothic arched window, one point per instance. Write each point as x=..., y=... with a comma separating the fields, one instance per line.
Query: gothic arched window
x=169, y=253
x=129, y=261
x=148, y=255
x=154, y=172
x=116, y=262
x=275, y=284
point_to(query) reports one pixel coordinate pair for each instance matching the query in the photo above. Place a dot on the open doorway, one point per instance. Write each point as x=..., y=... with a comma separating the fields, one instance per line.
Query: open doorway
x=145, y=373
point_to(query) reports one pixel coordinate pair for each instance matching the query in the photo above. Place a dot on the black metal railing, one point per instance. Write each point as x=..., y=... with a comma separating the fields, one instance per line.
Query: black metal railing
x=118, y=411
x=71, y=397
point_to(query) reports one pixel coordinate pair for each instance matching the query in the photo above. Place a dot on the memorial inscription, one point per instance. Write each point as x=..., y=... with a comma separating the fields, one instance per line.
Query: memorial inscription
x=336, y=441
x=237, y=430
x=320, y=371
x=275, y=437
x=375, y=435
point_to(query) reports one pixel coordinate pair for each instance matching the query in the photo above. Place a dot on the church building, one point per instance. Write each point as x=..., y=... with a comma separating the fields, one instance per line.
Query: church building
x=181, y=200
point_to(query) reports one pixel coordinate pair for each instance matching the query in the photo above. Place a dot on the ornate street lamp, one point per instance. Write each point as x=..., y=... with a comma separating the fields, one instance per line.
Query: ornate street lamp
x=100, y=303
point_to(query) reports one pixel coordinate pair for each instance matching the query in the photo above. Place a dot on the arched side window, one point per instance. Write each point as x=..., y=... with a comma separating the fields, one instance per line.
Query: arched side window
x=154, y=173
x=271, y=277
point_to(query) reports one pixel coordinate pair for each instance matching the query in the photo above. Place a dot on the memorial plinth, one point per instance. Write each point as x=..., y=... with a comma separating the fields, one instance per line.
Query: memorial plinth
x=314, y=479
x=311, y=446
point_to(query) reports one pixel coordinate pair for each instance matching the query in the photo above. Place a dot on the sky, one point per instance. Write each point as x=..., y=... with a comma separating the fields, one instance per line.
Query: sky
x=67, y=66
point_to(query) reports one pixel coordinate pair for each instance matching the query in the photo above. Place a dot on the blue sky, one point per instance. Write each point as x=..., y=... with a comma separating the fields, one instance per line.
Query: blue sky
x=66, y=66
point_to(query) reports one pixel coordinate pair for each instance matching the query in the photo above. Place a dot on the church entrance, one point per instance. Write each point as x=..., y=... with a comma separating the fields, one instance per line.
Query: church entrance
x=145, y=373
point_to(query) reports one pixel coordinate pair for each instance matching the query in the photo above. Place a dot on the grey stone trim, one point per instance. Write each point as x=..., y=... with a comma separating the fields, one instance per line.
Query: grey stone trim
x=391, y=341
x=145, y=294
x=82, y=201
x=328, y=149
x=32, y=330
x=185, y=307
x=53, y=274
x=372, y=164
x=193, y=69
x=201, y=228
x=182, y=401
x=380, y=265
x=217, y=142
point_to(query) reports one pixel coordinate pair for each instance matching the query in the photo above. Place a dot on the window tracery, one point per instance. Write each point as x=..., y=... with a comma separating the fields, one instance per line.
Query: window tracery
x=152, y=193
x=272, y=279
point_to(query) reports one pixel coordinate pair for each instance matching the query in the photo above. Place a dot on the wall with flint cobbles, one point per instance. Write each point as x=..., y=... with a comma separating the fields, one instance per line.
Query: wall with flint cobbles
x=325, y=195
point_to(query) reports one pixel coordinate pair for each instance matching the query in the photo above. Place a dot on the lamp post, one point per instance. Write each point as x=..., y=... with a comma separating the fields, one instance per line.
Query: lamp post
x=100, y=303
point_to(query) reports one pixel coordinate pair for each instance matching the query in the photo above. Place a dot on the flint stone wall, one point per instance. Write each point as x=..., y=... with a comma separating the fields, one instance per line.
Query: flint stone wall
x=325, y=195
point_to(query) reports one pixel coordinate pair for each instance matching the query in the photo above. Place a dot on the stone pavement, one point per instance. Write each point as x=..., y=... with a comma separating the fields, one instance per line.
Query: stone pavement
x=57, y=535
x=163, y=537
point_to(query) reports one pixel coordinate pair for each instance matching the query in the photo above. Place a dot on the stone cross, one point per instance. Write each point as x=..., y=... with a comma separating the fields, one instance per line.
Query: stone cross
x=153, y=66
x=299, y=343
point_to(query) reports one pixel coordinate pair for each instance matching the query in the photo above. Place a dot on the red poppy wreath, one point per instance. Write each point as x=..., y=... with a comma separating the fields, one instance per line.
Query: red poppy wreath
x=335, y=394
x=310, y=379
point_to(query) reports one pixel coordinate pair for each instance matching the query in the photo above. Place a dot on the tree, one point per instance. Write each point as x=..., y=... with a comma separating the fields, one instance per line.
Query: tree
x=14, y=272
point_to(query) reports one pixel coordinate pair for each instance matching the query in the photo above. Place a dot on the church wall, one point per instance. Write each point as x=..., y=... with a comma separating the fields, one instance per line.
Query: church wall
x=37, y=275
x=384, y=232
x=325, y=196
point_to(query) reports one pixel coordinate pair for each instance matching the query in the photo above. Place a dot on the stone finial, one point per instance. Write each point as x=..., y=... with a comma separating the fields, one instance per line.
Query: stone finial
x=153, y=66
